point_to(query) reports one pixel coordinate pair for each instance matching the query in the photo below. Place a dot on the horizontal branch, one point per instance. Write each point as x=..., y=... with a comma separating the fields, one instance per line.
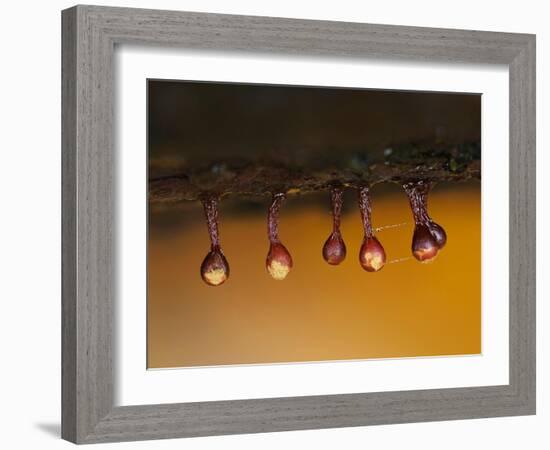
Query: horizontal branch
x=254, y=178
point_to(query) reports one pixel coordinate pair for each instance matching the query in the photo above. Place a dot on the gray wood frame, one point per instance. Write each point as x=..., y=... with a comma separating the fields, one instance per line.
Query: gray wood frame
x=89, y=36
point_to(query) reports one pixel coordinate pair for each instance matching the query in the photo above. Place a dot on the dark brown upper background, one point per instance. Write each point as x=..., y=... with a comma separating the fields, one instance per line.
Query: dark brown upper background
x=196, y=123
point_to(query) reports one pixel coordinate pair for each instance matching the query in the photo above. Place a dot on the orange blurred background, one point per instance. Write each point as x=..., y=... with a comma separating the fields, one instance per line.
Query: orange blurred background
x=319, y=312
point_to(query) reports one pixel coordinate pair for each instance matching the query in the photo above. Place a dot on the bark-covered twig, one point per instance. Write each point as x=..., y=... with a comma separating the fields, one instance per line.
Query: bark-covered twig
x=399, y=165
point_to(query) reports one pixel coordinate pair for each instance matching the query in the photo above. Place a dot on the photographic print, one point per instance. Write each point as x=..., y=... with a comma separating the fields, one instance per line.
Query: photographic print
x=298, y=223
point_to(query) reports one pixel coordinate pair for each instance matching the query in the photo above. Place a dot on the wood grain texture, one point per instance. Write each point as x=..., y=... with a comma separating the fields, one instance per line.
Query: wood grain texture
x=88, y=304
x=68, y=225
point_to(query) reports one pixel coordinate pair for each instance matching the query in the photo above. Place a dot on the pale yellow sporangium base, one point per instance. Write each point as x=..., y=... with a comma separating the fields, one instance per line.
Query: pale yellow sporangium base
x=376, y=262
x=215, y=277
x=277, y=270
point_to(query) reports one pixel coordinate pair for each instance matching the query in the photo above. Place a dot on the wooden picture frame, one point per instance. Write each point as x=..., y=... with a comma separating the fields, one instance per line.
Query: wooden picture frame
x=90, y=34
